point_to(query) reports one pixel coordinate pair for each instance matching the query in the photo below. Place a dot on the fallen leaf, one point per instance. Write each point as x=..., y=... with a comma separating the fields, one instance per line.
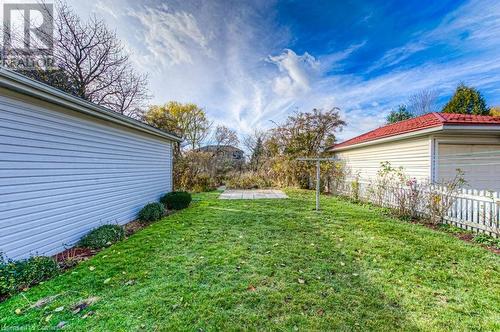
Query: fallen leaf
x=301, y=281
x=88, y=314
x=251, y=288
x=355, y=274
x=84, y=304
x=42, y=302
x=18, y=311
x=130, y=283
x=58, y=309
x=342, y=263
x=321, y=312
x=107, y=280
x=91, y=268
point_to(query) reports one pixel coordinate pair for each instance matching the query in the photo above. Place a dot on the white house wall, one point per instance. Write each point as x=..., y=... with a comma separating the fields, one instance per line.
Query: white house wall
x=63, y=174
x=478, y=157
x=411, y=154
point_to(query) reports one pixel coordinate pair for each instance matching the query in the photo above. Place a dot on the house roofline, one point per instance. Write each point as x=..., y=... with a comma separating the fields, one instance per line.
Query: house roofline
x=448, y=128
x=415, y=133
x=472, y=127
x=22, y=84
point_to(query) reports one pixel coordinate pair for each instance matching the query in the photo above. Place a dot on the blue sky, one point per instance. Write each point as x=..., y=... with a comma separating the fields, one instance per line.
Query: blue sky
x=252, y=62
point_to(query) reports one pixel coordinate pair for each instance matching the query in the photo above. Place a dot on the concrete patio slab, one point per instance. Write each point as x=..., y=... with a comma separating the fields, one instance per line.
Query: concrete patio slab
x=253, y=194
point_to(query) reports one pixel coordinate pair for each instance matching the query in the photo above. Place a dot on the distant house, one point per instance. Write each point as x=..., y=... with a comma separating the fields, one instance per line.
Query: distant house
x=68, y=166
x=430, y=147
x=225, y=151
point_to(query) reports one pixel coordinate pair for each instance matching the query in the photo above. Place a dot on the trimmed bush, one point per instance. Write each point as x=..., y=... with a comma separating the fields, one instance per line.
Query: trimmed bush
x=152, y=212
x=102, y=237
x=176, y=200
x=16, y=275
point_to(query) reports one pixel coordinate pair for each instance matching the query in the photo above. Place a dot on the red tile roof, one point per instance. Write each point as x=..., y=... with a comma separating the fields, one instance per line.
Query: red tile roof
x=422, y=122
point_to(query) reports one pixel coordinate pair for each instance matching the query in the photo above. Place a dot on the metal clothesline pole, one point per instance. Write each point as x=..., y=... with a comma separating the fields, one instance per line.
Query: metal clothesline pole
x=318, y=188
x=318, y=175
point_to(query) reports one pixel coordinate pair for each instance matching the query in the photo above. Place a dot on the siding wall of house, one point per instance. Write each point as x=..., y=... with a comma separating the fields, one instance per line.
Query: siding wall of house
x=414, y=155
x=478, y=157
x=63, y=173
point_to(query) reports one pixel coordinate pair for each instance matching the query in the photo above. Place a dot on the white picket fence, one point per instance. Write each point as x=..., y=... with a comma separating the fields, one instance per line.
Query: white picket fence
x=475, y=210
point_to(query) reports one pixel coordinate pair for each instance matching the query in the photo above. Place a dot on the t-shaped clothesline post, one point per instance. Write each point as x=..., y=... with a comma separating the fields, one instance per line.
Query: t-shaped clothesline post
x=318, y=175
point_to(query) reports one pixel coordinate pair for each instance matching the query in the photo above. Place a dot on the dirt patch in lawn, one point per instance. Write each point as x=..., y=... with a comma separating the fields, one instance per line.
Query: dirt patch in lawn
x=133, y=227
x=72, y=256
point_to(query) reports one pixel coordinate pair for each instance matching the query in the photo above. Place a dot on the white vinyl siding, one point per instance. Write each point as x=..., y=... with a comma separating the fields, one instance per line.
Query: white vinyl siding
x=411, y=154
x=63, y=173
x=479, y=162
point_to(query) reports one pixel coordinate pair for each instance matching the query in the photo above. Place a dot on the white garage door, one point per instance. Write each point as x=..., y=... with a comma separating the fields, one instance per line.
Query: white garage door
x=480, y=162
x=62, y=174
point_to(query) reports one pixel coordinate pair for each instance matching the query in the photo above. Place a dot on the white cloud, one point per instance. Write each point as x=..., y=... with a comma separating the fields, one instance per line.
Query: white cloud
x=296, y=72
x=473, y=27
x=170, y=37
x=222, y=56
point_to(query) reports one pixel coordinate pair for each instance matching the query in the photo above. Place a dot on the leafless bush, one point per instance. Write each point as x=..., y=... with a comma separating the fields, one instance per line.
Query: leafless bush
x=395, y=189
x=336, y=177
x=378, y=188
x=355, y=189
x=442, y=196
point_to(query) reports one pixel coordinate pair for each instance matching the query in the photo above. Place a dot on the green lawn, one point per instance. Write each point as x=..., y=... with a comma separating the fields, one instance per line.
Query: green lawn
x=274, y=265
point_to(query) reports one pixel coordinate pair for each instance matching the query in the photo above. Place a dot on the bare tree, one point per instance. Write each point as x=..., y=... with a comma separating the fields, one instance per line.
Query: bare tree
x=196, y=126
x=130, y=95
x=254, y=144
x=307, y=134
x=222, y=135
x=93, y=62
x=423, y=102
x=250, y=141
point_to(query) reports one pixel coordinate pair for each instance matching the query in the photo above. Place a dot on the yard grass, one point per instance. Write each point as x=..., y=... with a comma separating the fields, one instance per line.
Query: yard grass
x=274, y=265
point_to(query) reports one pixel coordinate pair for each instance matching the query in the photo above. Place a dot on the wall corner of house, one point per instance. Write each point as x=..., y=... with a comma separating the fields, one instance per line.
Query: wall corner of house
x=433, y=159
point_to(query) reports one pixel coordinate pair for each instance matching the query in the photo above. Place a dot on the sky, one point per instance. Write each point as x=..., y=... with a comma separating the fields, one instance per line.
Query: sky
x=252, y=63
